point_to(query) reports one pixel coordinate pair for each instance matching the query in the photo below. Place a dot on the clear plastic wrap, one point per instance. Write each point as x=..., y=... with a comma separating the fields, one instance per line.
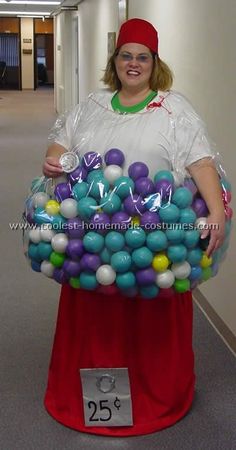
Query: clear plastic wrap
x=126, y=217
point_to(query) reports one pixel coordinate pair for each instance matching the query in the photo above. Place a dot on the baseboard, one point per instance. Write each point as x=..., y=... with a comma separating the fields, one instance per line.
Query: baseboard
x=221, y=328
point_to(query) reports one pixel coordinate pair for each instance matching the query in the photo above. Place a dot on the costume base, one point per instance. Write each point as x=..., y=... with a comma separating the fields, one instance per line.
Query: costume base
x=152, y=338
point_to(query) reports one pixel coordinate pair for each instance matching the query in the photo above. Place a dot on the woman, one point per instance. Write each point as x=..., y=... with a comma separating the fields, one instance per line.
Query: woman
x=152, y=339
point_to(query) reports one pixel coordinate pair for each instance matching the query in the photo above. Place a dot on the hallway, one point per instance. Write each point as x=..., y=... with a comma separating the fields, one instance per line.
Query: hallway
x=28, y=311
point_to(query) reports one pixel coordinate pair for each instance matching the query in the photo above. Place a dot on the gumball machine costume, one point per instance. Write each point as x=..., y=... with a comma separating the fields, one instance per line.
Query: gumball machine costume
x=122, y=234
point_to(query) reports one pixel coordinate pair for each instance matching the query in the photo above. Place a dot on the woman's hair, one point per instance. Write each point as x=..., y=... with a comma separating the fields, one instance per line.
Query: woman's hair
x=161, y=77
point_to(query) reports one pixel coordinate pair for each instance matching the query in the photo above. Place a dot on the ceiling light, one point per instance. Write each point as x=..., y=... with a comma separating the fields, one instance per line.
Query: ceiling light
x=24, y=13
x=29, y=2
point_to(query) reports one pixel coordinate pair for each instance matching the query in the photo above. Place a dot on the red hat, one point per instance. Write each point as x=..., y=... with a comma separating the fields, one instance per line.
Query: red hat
x=139, y=31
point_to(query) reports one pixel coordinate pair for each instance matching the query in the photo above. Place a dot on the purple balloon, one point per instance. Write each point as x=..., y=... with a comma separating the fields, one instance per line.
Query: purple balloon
x=121, y=220
x=149, y=220
x=146, y=276
x=144, y=186
x=75, y=249
x=30, y=217
x=134, y=204
x=200, y=208
x=78, y=175
x=71, y=268
x=91, y=160
x=100, y=222
x=189, y=184
x=90, y=262
x=60, y=276
x=74, y=228
x=114, y=156
x=164, y=188
x=62, y=191
x=138, y=170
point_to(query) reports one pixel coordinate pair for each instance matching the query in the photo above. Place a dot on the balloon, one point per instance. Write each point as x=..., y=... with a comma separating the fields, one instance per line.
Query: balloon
x=112, y=173
x=114, y=156
x=69, y=208
x=165, y=279
x=138, y=170
x=105, y=275
x=121, y=261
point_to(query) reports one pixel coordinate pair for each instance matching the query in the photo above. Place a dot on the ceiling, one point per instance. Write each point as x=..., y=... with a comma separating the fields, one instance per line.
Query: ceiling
x=14, y=9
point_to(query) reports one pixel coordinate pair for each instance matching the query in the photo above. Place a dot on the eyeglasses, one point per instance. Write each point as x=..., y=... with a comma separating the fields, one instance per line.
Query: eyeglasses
x=128, y=57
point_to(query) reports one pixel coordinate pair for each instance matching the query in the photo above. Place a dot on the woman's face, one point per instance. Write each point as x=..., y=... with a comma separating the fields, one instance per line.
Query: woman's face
x=134, y=64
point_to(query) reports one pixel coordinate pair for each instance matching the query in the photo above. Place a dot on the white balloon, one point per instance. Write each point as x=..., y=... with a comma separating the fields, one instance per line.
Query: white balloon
x=47, y=268
x=40, y=199
x=59, y=242
x=46, y=232
x=69, y=208
x=165, y=279
x=112, y=173
x=200, y=224
x=181, y=270
x=105, y=275
x=35, y=236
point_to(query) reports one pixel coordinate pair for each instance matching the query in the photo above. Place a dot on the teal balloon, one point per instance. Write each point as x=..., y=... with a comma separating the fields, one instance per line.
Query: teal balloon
x=94, y=174
x=110, y=203
x=164, y=175
x=80, y=190
x=157, y=241
x=121, y=261
x=88, y=281
x=194, y=256
x=125, y=280
x=124, y=186
x=86, y=207
x=175, y=235
x=177, y=253
x=182, y=197
x=149, y=291
x=33, y=252
x=169, y=213
x=187, y=216
x=38, y=184
x=99, y=188
x=114, y=241
x=58, y=222
x=191, y=238
x=40, y=216
x=142, y=257
x=135, y=237
x=105, y=256
x=44, y=250
x=93, y=242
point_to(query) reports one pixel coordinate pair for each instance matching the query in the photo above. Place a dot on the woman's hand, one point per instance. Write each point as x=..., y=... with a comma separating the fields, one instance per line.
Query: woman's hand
x=51, y=167
x=215, y=228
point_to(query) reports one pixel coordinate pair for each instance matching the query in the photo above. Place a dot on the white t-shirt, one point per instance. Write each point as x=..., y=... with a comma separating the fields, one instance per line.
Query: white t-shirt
x=166, y=134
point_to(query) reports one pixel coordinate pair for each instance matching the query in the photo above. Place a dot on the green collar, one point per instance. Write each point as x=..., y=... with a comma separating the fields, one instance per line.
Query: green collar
x=117, y=106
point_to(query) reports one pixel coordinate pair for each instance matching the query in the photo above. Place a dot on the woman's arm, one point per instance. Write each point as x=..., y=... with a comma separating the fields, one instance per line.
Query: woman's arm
x=51, y=165
x=206, y=178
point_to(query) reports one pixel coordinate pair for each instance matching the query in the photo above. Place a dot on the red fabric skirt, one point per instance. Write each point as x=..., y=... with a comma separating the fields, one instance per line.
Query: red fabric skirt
x=152, y=338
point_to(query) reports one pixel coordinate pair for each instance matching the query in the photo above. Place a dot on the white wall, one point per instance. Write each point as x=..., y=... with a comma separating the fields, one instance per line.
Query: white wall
x=96, y=19
x=27, y=60
x=197, y=39
x=64, y=61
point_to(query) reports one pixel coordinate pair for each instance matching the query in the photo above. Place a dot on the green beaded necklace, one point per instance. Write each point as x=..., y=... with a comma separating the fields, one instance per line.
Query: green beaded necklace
x=117, y=106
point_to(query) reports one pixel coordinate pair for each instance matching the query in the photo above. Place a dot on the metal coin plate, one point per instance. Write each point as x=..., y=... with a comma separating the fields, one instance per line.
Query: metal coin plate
x=69, y=161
